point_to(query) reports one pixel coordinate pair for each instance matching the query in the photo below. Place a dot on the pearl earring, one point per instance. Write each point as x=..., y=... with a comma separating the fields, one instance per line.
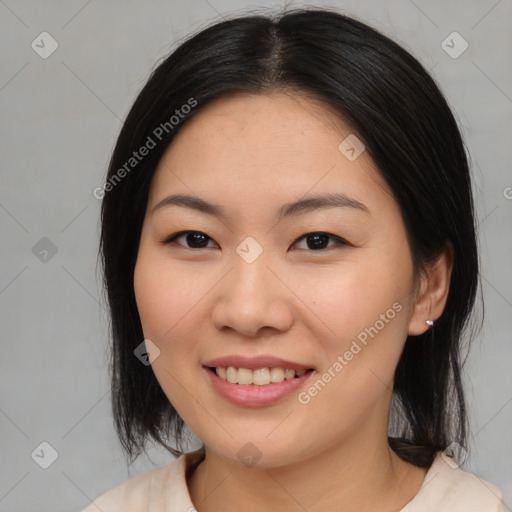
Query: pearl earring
x=430, y=323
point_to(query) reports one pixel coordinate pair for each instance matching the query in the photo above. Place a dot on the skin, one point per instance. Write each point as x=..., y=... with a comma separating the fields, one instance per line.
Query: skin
x=252, y=154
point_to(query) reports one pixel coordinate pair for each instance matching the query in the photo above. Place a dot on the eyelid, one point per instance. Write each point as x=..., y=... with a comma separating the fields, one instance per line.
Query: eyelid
x=339, y=241
x=172, y=238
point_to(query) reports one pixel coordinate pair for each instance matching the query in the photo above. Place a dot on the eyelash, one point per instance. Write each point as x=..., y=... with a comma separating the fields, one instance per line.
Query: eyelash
x=170, y=239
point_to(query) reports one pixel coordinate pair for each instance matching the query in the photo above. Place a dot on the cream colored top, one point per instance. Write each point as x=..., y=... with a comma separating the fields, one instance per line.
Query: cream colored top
x=445, y=489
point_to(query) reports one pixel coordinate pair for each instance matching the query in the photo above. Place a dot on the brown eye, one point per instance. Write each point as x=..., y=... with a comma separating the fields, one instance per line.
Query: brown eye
x=319, y=241
x=193, y=239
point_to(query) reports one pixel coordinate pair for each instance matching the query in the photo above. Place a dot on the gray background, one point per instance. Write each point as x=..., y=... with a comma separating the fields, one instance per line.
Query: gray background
x=59, y=120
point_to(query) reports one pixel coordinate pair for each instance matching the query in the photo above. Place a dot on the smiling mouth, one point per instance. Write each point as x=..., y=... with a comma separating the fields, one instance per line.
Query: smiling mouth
x=258, y=377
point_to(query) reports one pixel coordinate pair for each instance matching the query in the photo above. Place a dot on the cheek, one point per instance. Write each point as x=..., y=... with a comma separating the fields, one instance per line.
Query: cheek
x=362, y=311
x=163, y=294
x=348, y=300
x=167, y=302
x=364, y=321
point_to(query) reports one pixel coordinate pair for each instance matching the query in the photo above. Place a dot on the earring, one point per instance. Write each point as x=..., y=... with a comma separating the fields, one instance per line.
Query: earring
x=430, y=323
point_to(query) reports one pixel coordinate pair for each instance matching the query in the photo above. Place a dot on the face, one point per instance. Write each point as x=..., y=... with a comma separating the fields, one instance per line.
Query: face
x=327, y=289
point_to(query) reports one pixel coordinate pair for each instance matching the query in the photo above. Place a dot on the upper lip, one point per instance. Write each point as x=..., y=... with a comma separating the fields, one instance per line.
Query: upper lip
x=253, y=363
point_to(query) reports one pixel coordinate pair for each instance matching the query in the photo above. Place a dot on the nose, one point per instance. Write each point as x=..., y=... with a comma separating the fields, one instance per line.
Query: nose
x=253, y=299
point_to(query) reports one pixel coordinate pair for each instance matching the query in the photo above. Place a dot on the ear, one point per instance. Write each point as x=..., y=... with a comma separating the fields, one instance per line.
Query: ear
x=433, y=291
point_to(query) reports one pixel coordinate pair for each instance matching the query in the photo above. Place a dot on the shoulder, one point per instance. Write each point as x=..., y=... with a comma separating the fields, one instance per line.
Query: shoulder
x=155, y=489
x=448, y=488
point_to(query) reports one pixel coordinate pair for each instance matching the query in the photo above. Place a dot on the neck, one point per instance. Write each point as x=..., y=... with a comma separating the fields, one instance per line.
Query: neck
x=354, y=476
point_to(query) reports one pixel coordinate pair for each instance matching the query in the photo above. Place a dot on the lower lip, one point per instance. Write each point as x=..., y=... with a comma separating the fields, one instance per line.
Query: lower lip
x=251, y=395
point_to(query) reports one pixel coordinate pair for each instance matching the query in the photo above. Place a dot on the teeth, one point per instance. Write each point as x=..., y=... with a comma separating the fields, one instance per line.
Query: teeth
x=259, y=377
x=245, y=376
x=289, y=374
x=276, y=375
x=232, y=375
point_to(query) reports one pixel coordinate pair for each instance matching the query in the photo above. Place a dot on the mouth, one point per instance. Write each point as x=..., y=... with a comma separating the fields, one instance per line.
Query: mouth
x=258, y=387
x=259, y=376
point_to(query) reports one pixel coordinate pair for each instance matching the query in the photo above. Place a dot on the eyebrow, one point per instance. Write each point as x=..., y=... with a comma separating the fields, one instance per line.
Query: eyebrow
x=330, y=200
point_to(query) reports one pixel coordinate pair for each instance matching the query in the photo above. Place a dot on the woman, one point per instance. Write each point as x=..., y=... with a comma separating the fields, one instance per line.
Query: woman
x=289, y=251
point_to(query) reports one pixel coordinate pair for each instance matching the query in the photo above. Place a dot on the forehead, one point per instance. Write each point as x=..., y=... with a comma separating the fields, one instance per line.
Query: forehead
x=263, y=145
x=280, y=119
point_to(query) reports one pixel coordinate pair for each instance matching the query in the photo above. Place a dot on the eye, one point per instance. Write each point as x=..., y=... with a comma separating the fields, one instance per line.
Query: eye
x=317, y=241
x=196, y=239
